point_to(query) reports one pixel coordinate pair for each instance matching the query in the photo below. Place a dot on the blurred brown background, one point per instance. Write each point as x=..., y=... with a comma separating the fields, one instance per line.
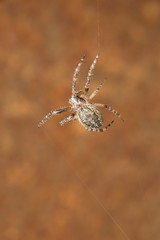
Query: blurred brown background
x=45, y=173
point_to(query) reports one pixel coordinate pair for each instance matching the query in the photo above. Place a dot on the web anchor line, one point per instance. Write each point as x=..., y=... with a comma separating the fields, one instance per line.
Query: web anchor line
x=99, y=202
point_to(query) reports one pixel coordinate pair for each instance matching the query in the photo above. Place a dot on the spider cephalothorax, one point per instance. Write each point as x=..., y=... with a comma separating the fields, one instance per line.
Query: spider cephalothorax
x=77, y=100
x=88, y=114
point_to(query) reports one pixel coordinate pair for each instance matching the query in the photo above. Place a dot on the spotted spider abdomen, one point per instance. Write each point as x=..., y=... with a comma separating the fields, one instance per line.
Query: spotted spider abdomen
x=90, y=116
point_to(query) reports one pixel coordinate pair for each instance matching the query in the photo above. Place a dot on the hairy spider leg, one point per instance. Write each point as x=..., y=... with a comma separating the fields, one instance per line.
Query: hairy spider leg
x=97, y=89
x=110, y=109
x=99, y=129
x=67, y=119
x=90, y=73
x=50, y=114
x=75, y=75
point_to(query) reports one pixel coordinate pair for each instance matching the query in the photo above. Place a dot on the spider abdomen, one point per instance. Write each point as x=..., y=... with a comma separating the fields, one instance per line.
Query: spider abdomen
x=90, y=116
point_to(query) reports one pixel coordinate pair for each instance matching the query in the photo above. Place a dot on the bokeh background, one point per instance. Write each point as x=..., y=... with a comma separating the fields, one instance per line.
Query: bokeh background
x=54, y=180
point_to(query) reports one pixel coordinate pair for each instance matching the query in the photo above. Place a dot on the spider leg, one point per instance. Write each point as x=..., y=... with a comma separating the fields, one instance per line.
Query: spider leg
x=100, y=129
x=96, y=91
x=75, y=76
x=110, y=109
x=67, y=119
x=90, y=73
x=50, y=114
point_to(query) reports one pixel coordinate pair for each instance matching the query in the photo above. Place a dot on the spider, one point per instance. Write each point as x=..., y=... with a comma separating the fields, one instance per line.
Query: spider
x=87, y=113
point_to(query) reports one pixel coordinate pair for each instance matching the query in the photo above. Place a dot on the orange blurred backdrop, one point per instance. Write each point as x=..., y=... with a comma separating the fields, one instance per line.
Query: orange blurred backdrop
x=54, y=180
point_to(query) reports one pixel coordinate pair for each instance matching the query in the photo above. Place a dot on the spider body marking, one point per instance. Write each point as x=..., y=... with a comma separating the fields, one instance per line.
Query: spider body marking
x=90, y=117
x=87, y=113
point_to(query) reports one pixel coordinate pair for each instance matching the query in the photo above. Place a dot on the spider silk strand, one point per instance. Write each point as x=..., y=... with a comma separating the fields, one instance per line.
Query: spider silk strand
x=99, y=202
x=77, y=175
x=98, y=26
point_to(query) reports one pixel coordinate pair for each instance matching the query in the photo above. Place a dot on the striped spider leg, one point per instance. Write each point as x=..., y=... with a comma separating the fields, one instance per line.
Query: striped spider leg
x=90, y=73
x=75, y=76
x=110, y=109
x=50, y=114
